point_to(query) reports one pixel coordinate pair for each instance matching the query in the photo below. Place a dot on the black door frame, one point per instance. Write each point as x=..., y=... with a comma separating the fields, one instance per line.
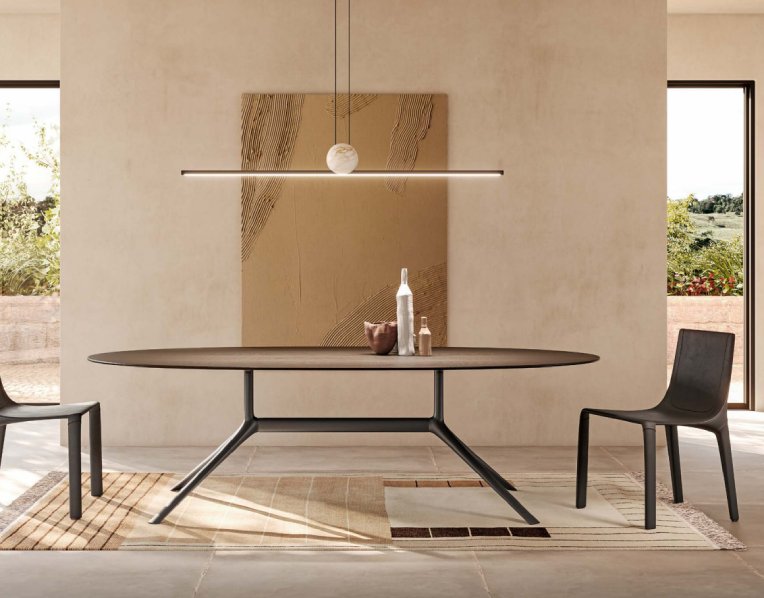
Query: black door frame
x=749, y=194
x=30, y=83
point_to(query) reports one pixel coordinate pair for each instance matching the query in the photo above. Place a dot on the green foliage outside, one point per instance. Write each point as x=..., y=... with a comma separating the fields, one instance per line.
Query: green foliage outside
x=701, y=262
x=29, y=230
x=717, y=204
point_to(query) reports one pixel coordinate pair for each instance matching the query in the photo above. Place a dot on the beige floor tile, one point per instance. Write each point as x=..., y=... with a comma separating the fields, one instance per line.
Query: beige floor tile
x=694, y=456
x=708, y=487
x=754, y=558
x=342, y=575
x=616, y=574
x=704, y=484
x=101, y=574
x=169, y=459
x=14, y=482
x=749, y=529
x=414, y=459
x=33, y=446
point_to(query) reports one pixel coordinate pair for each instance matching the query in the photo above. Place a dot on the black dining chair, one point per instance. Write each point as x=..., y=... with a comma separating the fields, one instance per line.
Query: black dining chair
x=13, y=413
x=696, y=397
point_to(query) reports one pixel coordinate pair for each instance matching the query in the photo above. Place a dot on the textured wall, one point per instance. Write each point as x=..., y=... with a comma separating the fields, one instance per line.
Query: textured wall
x=319, y=256
x=727, y=47
x=567, y=96
x=30, y=46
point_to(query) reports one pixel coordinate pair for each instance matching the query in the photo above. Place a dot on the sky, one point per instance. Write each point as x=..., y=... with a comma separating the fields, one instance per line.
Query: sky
x=706, y=131
x=25, y=105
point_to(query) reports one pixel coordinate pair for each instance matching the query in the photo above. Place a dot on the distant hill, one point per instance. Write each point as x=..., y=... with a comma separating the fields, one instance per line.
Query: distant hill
x=717, y=204
x=719, y=226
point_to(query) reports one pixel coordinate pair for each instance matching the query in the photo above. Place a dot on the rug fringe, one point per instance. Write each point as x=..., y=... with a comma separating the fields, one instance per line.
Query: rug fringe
x=29, y=498
x=694, y=517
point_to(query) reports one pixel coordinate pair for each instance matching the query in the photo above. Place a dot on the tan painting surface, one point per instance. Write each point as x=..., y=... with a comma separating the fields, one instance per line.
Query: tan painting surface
x=321, y=256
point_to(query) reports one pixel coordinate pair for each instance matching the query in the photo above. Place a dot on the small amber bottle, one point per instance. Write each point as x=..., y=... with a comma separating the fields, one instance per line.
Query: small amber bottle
x=425, y=339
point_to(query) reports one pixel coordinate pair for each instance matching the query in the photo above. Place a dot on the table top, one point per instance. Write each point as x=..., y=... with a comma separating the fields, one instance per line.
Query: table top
x=340, y=358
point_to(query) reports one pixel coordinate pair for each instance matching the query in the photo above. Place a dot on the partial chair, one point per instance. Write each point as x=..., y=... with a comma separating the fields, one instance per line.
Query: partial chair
x=696, y=397
x=13, y=413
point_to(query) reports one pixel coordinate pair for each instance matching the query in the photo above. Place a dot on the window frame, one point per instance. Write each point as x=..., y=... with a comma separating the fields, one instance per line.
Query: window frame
x=749, y=201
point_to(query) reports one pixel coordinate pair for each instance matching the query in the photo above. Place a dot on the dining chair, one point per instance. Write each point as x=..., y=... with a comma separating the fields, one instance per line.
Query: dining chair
x=696, y=397
x=13, y=413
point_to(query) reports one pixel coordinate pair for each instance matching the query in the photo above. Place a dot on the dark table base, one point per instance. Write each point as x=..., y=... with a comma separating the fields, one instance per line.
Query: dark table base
x=252, y=425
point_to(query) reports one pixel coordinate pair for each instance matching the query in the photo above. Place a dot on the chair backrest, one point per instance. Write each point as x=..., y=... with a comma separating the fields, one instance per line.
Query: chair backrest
x=700, y=380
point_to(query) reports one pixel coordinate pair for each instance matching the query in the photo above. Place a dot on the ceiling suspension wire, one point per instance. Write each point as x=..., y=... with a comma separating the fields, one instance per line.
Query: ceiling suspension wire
x=335, y=72
x=342, y=158
x=349, y=73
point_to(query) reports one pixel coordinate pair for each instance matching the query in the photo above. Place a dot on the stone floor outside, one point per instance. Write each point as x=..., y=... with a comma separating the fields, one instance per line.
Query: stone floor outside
x=32, y=382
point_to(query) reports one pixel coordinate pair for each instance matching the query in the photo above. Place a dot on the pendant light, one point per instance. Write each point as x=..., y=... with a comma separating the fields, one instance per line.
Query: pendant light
x=342, y=158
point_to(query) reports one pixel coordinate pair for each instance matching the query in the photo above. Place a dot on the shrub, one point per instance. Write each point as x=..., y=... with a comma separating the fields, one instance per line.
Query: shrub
x=709, y=284
x=700, y=264
x=725, y=258
x=29, y=262
x=29, y=230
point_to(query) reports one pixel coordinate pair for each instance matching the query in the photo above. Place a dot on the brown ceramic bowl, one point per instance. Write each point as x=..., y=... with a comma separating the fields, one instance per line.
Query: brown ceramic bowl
x=381, y=336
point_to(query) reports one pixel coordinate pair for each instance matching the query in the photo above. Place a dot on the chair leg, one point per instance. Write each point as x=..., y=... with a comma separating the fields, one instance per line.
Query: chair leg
x=648, y=433
x=672, y=445
x=96, y=458
x=582, y=464
x=75, y=467
x=2, y=442
x=725, y=451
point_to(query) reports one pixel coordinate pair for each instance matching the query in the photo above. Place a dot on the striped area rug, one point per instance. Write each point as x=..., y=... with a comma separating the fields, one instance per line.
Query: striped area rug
x=359, y=512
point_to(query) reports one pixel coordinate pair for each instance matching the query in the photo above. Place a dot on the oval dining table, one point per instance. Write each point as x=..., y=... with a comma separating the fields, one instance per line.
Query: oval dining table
x=252, y=359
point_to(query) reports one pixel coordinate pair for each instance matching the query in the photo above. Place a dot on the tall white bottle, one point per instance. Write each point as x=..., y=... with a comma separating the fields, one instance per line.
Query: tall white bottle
x=405, y=302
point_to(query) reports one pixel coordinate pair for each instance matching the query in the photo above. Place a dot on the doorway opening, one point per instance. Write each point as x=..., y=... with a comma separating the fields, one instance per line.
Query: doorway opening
x=710, y=210
x=29, y=240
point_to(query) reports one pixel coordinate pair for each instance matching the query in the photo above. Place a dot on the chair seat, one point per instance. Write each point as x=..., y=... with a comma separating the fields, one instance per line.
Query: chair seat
x=661, y=415
x=34, y=412
x=13, y=413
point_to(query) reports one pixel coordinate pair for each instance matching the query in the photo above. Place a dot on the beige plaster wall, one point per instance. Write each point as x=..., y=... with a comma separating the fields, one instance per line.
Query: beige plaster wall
x=30, y=46
x=565, y=251
x=727, y=47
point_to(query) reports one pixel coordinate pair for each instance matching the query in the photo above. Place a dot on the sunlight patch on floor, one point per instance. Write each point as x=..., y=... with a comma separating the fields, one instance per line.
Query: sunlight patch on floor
x=14, y=482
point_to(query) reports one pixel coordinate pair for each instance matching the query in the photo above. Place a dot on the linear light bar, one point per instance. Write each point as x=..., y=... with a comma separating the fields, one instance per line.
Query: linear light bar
x=355, y=174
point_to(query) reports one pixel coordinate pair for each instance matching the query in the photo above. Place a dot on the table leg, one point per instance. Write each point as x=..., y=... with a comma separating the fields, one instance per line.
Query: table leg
x=207, y=459
x=480, y=467
x=206, y=467
x=435, y=424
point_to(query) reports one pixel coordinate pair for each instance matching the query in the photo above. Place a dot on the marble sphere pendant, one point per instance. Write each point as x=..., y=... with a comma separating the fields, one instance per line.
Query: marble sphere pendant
x=342, y=158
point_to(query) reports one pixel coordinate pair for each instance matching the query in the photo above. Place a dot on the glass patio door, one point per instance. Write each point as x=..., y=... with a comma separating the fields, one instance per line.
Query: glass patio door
x=708, y=269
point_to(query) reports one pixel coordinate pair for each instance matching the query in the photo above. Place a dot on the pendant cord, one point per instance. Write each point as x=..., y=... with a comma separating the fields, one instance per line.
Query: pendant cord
x=349, y=72
x=335, y=72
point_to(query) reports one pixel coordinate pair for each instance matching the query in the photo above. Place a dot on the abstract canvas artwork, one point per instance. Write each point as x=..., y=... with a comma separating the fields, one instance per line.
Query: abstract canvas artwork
x=321, y=256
